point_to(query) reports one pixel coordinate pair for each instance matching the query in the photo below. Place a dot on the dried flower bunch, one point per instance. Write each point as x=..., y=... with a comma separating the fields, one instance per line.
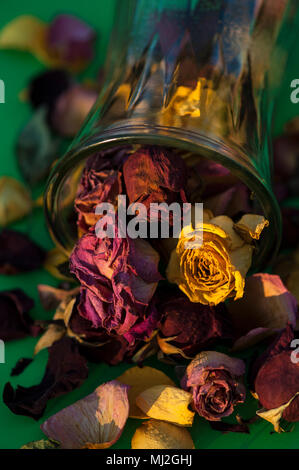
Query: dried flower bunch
x=122, y=299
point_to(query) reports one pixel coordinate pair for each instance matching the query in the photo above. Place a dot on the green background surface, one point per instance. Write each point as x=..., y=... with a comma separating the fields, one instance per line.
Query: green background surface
x=16, y=69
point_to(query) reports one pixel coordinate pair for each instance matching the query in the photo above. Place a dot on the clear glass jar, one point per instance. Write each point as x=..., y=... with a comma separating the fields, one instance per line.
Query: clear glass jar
x=200, y=76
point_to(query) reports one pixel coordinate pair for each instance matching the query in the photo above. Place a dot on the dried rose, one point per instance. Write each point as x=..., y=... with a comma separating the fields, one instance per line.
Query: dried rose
x=100, y=182
x=71, y=109
x=155, y=175
x=216, y=269
x=140, y=379
x=66, y=370
x=267, y=306
x=155, y=434
x=18, y=253
x=275, y=379
x=118, y=278
x=214, y=380
x=15, y=200
x=15, y=323
x=187, y=328
x=95, y=422
x=71, y=40
x=57, y=264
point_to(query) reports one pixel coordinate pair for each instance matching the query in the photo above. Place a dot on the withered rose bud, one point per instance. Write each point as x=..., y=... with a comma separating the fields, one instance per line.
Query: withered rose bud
x=186, y=328
x=155, y=175
x=275, y=380
x=118, y=277
x=214, y=379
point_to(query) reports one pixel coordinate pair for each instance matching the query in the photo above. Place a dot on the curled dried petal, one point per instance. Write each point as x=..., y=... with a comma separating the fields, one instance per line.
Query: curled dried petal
x=15, y=200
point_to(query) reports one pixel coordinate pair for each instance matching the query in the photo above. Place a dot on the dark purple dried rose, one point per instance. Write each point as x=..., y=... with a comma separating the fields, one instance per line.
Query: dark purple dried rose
x=186, y=328
x=15, y=323
x=155, y=175
x=71, y=109
x=213, y=379
x=66, y=370
x=18, y=253
x=101, y=181
x=71, y=39
x=118, y=278
x=275, y=380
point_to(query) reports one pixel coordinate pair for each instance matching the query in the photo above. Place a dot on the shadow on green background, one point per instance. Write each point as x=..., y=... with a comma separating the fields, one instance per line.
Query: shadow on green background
x=16, y=69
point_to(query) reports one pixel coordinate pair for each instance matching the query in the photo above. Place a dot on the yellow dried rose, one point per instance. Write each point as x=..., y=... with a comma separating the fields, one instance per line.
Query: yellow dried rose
x=210, y=261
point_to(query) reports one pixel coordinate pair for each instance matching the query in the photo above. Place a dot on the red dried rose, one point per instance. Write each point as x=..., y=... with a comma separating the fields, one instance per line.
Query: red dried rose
x=155, y=175
x=118, y=278
x=186, y=328
x=100, y=182
x=213, y=379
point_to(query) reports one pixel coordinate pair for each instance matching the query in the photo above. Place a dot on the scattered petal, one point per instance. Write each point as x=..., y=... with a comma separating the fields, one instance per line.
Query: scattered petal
x=20, y=366
x=55, y=263
x=167, y=403
x=15, y=323
x=95, y=422
x=61, y=376
x=140, y=379
x=154, y=434
x=18, y=253
x=41, y=445
x=15, y=200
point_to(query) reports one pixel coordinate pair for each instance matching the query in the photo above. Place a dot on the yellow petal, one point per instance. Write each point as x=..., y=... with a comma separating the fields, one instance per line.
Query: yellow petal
x=54, y=259
x=167, y=403
x=241, y=258
x=140, y=379
x=155, y=434
x=250, y=226
x=227, y=225
x=15, y=200
x=274, y=415
x=169, y=348
x=22, y=33
x=173, y=273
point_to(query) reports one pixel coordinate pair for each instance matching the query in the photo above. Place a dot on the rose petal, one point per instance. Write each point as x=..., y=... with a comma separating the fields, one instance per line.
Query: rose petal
x=266, y=304
x=155, y=434
x=54, y=263
x=95, y=422
x=18, y=253
x=61, y=376
x=140, y=379
x=50, y=297
x=227, y=225
x=41, y=445
x=250, y=226
x=275, y=414
x=15, y=323
x=167, y=403
x=15, y=200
